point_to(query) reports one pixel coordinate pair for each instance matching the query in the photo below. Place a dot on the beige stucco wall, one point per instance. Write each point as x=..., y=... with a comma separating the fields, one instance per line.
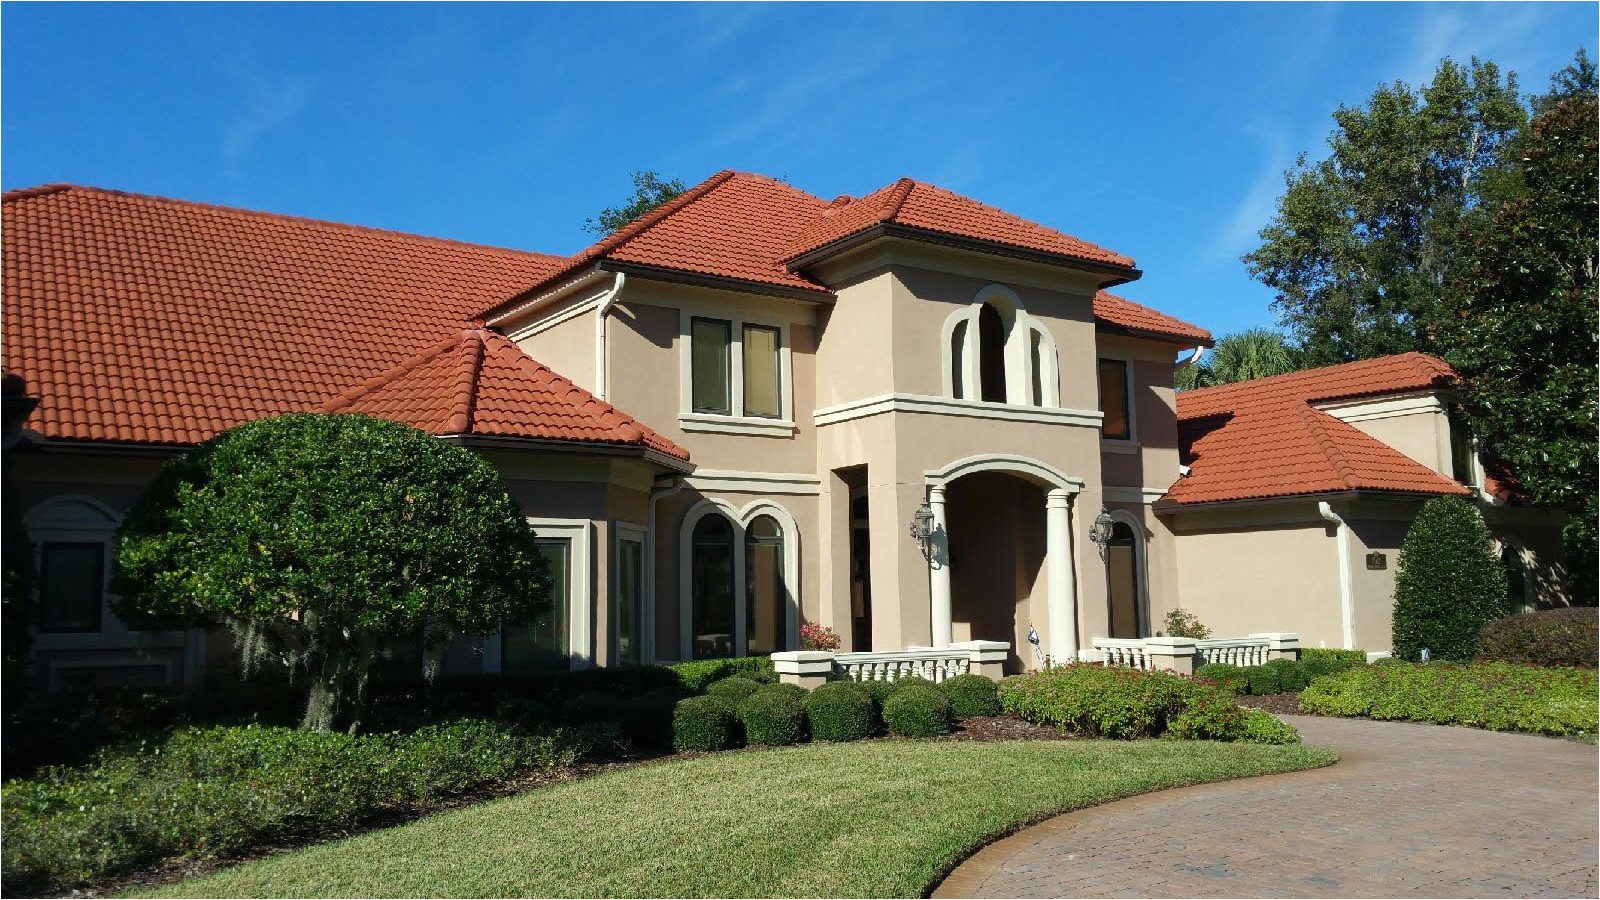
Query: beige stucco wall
x=1414, y=424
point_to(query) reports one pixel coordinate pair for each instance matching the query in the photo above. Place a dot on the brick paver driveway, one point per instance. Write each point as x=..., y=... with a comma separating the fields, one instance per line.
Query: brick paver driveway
x=1408, y=811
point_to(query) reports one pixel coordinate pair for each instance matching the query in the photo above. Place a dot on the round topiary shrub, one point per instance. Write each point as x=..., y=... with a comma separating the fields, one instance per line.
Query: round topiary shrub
x=1291, y=675
x=649, y=717
x=1448, y=584
x=971, y=695
x=772, y=718
x=704, y=723
x=781, y=687
x=878, y=692
x=840, y=711
x=1262, y=680
x=1228, y=677
x=733, y=689
x=918, y=711
x=909, y=680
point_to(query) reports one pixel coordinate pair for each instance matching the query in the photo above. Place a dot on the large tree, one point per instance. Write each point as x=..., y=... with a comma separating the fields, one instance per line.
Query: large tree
x=1359, y=247
x=650, y=190
x=1518, y=314
x=1252, y=353
x=318, y=537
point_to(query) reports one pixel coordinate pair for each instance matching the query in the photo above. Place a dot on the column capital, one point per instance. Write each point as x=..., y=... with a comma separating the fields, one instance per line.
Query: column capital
x=936, y=493
x=1058, y=498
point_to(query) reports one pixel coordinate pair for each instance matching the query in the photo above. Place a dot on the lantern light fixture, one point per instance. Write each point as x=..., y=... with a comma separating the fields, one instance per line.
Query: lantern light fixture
x=922, y=530
x=1100, y=532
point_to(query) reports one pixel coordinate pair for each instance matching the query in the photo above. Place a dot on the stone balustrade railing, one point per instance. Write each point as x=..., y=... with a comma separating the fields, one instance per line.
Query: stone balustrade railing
x=809, y=668
x=1184, y=655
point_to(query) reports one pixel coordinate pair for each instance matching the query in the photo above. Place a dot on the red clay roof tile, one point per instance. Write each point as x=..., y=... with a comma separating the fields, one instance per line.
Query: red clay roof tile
x=1125, y=313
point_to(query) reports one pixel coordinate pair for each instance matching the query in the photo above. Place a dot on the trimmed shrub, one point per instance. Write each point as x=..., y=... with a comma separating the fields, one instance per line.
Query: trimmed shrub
x=704, y=723
x=793, y=690
x=1492, y=695
x=1228, y=677
x=1116, y=702
x=1207, y=714
x=1262, y=680
x=840, y=711
x=971, y=695
x=733, y=689
x=878, y=692
x=772, y=718
x=649, y=718
x=1320, y=661
x=1261, y=727
x=594, y=706
x=695, y=676
x=756, y=668
x=910, y=680
x=1557, y=637
x=1448, y=583
x=918, y=710
x=1291, y=675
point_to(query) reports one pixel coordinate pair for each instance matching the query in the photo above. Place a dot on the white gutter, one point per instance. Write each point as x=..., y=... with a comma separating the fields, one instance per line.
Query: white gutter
x=1347, y=602
x=1192, y=358
x=601, y=307
x=647, y=623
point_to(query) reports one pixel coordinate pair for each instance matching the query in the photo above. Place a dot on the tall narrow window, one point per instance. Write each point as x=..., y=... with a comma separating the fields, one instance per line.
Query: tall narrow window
x=542, y=642
x=1117, y=423
x=1036, y=367
x=1460, y=447
x=761, y=372
x=710, y=343
x=711, y=572
x=630, y=568
x=958, y=360
x=991, y=355
x=71, y=586
x=766, y=616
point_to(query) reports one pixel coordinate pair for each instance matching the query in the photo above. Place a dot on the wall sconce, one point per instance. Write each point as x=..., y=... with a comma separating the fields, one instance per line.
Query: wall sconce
x=1100, y=532
x=922, y=530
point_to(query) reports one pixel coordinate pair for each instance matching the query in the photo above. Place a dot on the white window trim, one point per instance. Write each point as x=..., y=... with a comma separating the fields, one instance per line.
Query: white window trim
x=1130, y=443
x=580, y=592
x=628, y=531
x=851, y=410
x=1142, y=601
x=740, y=520
x=735, y=421
x=1021, y=326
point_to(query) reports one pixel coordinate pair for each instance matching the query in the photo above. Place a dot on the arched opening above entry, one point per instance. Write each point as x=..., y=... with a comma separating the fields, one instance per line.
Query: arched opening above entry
x=993, y=351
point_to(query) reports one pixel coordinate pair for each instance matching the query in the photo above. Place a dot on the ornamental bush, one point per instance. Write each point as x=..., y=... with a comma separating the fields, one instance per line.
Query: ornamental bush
x=696, y=675
x=772, y=718
x=971, y=695
x=1262, y=727
x=317, y=537
x=840, y=711
x=1320, y=661
x=1557, y=637
x=878, y=692
x=1291, y=675
x=594, y=706
x=1180, y=622
x=733, y=689
x=1493, y=695
x=783, y=687
x=1263, y=680
x=918, y=711
x=1228, y=677
x=704, y=723
x=1448, y=583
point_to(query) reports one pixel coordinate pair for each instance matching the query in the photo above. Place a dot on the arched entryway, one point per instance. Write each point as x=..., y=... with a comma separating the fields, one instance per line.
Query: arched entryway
x=1127, y=591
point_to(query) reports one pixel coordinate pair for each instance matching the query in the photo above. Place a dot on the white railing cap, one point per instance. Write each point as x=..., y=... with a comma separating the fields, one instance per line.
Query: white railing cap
x=900, y=656
x=1279, y=639
x=1170, y=644
x=802, y=662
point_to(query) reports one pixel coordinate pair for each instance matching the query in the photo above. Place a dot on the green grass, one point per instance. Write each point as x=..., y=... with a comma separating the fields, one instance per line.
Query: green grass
x=878, y=819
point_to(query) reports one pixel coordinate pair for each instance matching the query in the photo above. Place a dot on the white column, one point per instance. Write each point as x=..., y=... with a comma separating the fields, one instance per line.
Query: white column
x=939, y=571
x=1063, y=597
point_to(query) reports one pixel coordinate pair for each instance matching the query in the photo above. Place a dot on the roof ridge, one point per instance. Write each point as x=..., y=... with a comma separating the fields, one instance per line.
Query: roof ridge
x=471, y=366
x=565, y=386
x=1341, y=466
x=898, y=196
x=1254, y=383
x=392, y=374
x=63, y=187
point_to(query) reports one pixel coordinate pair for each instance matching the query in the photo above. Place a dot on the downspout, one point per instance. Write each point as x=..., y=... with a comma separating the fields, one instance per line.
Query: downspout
x=1192, y=358
x=601, y=308
x=1347, y=603
x=648, y=626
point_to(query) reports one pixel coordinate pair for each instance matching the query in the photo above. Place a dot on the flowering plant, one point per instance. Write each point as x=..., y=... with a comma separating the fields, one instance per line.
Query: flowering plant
x=818, y=637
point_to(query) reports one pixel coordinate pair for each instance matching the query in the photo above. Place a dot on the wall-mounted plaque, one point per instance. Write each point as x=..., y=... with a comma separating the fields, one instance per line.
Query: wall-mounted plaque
x=1376, y=560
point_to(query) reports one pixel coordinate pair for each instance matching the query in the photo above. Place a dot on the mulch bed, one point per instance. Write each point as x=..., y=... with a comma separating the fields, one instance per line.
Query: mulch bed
x=1277, y=704
x=1002, y=728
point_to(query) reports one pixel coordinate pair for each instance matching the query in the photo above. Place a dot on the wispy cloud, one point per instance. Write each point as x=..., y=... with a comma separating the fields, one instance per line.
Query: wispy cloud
x=1260, y=201
x=272, y=104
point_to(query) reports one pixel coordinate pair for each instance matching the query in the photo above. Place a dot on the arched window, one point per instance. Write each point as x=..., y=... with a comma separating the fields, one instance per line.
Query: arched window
x=991, y=355
x=711, y=579
x=1125, y=579
x=766, y=602
x=958, y=360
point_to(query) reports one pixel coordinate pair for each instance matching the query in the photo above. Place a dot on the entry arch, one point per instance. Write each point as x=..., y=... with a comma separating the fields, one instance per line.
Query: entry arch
x=1140, y=574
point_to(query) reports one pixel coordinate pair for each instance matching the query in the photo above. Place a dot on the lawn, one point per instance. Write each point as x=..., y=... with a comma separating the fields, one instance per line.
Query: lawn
x=876, y=819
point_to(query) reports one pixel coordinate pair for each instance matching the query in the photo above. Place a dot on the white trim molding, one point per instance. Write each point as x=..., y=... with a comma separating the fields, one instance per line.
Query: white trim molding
x=1141, y=495
x=1383, y=407
x=740, y=520
x=754, y=482
x=751, y=426
x=580, y=586
x=1141, y=612
x=1020, y=329
x=1005, y=462
x=949, y=406
x=734, y=421
x=639, y=534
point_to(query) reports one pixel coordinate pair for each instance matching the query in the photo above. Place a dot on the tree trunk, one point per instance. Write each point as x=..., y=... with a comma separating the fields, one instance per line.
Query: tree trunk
x=322, y=706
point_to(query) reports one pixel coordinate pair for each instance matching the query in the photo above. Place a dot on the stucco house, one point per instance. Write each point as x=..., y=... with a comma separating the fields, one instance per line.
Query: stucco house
x=720, y=421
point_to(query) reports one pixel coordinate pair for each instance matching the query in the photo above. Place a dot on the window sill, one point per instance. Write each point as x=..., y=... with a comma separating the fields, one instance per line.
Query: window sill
x=745, y=425
x=1112, y=445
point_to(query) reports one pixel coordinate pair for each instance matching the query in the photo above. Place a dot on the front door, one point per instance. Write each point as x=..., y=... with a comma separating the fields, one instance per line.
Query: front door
x=1124, y=580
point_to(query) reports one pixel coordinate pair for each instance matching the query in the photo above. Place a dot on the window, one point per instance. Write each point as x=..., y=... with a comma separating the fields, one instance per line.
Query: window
x=711, y=571
x=1036, y=368
x=995, y=352
x=71, y=586
x=766, y=606
x=761, y=372
x=1461, y=455
x=711, y=363
x=991, y=355
x=542, y=642
x=630, y=571
x=1516, y=578
x=1118, y=421
x=958, y=360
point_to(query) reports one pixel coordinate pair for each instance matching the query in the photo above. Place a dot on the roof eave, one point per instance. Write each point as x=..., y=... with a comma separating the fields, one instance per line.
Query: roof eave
x=545, y=445
x=723, y=282
x=1165, y=505
x=1110, y=273
x=1166, y=336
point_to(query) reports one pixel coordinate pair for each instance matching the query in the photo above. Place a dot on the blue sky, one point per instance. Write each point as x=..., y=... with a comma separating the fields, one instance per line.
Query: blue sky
x=1159, y=130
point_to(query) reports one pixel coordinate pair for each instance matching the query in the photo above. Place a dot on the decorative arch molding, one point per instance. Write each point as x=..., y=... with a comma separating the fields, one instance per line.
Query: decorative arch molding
x=1024, y=364
x=71, y=512
x=740, y=519
x=1141, y=562
x=1014, y=464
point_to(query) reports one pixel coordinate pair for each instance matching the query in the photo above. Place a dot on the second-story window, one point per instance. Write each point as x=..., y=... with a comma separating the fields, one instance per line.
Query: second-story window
x=1118, y=422
x=711, y=343
x=1461, y=452
x=762, y=372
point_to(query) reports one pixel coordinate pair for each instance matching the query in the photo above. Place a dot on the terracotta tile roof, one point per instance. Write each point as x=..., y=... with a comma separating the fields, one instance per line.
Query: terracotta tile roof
x=1125, y=313
x=480, y=383
x=915, y=204
x=146, y=320
x=1263, y=438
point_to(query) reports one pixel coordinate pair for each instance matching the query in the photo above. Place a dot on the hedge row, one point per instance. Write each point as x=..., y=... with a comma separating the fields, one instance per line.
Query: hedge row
x=1496, y=696
x=1557, y=637
x=1117, y=702
x=216, y=791
x=1281, y=675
